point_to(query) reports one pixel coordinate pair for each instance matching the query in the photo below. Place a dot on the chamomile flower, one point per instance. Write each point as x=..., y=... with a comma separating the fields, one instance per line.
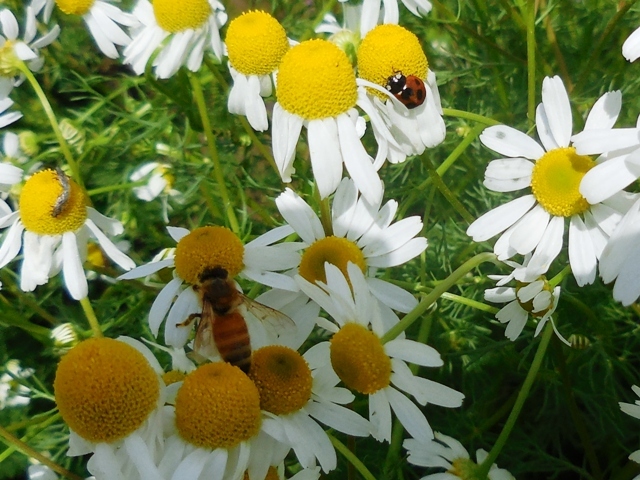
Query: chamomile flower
x=205, y=249
x=363, y=234
x=317, y=88
x=533, y=296
x=620, y=260
x=535, y=222
x=448, y=453
x=634, y=411
x=53, y=225
x=159, y=184
x=103, y=18
x=370, y=367
x=371, y=11
x=256, y=43
x=14, y=50
x=177, y=33
x=295, y=395
x=111, y=395
x=391, y=56
x=216, y=430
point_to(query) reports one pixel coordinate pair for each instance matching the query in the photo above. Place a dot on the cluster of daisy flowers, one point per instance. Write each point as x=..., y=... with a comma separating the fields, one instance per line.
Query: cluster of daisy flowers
x=256, y=382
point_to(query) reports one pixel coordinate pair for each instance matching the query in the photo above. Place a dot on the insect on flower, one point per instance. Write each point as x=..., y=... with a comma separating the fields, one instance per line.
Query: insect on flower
x=409, y=90
x=63, y=198
x=222, y=323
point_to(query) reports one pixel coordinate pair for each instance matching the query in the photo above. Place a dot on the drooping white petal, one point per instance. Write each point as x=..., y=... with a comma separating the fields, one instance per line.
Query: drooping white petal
x=582, y=256
x=74, y=277
x=326, y=157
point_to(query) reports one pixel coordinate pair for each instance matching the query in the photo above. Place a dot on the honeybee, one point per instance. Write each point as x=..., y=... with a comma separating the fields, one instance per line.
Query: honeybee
x=222, y=325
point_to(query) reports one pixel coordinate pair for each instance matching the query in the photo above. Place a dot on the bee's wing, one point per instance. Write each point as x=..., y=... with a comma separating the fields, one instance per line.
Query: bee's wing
x=272, y=319
x=204, y=343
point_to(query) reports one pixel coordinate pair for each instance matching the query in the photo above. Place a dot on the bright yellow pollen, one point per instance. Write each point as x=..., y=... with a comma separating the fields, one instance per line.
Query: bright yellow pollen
x=316, y=80
x=38, y=200
x=173, y=376
x=105, y=389
x=173, y=16
x=555, y=181
x=283, y=379
x=95, y=256
x=75, y=7
x=217, y=407
x=9, y=61
x=387, y=50
x=359, y=360
x=336, y=250
x=272, y=474
x=206, y=248
x=256, y=43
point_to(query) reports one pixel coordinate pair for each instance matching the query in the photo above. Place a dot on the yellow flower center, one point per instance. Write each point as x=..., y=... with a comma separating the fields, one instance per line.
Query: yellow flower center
x=387, y=50
x=105, y=389
x=336, y=250
x=206, y=248
x=316, y=80
x=75, y=7
x=555, y=181
x=173, y=376
x=256, y=43
x=51, y=205
x=283, y=379
x=217, y=407
x=95, y=256
x=358, y=358
x=174, y=17
x=464, y=468
x=9, y=61
x=528, y=306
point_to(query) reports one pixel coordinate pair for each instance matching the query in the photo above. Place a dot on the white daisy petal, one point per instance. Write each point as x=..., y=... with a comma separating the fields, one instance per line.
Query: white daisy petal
x=413, y=352
x=511, y=142
x=605, y=111
x=326, y=157
x=529, y=230
x=558, y=110
x=409, y=415
x=74, y=277
x=631, y=46
x=544, y=129
x=500, y=218
x=582, y=256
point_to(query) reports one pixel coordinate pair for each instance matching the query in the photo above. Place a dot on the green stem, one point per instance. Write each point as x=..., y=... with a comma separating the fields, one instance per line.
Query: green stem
x=459, y=150
x=436, y=293
x=114, y=188
x=446, y=192
x=325, y=217
x=213, y=153
x=243, y=120
x=531, y=61
x=452, y=112
x=348, y=454
x=30, y=452
x=91, y=317
x=517, y=407
x=44, y=101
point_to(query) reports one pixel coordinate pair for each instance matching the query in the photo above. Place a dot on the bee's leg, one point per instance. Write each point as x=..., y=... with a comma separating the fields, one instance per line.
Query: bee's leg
x=189, y=320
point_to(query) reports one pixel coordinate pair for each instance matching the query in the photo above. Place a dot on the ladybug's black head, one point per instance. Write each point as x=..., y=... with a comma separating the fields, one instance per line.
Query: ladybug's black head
x=396, y=83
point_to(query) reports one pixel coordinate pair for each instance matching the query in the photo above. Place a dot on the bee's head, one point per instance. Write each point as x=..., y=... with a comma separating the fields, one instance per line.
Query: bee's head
x=217, y=273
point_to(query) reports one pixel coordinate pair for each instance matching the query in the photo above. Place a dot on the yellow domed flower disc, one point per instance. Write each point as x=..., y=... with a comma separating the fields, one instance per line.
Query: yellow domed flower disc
x=387, y=50
x=174, y=17
x=43, y=209
x=283, y=379
x=555, y=181
x=256, y=43
x=316, y=80
x=105, y=389
x=217, y=407
x=205, y=248
x=358, y=358
x=75, y=7
x=336, y=250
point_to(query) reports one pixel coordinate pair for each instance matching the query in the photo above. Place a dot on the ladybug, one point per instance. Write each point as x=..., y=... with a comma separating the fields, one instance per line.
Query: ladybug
x=409, y=90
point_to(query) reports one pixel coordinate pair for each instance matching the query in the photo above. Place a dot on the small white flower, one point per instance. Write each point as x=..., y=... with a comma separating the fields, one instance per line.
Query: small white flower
x=103, y=18
x=181, y=33
x=13, y=49
x=12, y=392
x=448, y=453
